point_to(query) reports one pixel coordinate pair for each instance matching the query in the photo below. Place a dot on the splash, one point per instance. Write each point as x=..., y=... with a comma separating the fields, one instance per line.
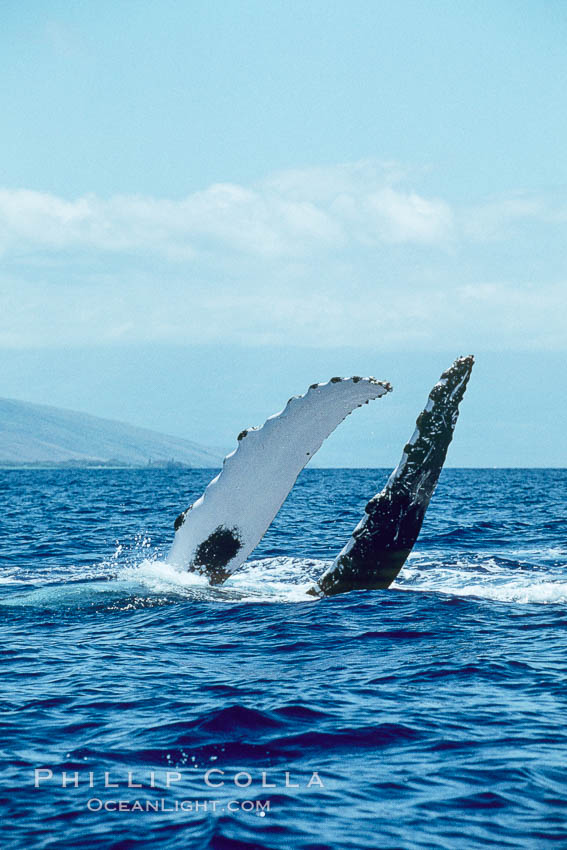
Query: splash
x=139, y=577
x=269, y=580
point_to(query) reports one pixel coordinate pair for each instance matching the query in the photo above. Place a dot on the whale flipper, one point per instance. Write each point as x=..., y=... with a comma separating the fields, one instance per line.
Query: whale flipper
x=220, y=530
x=385, y=536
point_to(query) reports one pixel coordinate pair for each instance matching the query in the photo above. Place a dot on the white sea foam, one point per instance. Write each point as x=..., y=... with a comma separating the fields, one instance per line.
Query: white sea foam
x=484, y=578
x=153, y=580
x=284, y=579
x=10, y=578
x=270, y=580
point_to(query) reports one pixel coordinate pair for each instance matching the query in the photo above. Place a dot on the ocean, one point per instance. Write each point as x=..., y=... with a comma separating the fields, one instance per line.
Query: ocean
x=142, y=708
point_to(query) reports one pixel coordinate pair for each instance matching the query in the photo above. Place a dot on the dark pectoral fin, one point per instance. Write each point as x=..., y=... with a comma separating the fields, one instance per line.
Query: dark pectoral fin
x=385, y=537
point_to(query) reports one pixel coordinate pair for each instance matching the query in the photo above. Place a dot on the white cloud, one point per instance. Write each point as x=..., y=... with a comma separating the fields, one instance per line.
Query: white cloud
x=333, y=256
x=495, y=220
x=288, y=215
x=394, y=216
x=469, y=317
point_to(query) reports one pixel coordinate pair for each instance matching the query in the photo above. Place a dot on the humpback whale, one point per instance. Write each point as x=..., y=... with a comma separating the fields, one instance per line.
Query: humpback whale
x=219, y=531
x=385, y=536
x=216, y=534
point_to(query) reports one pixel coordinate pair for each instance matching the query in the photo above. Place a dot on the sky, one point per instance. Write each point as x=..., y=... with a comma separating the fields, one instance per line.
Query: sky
x=207, y=206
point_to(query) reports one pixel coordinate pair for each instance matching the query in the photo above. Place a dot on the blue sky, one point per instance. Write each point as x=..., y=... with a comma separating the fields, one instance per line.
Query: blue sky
x=206, y=206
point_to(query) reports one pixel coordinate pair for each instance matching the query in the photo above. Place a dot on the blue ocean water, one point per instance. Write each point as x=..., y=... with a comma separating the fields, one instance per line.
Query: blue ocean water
x=430, y=715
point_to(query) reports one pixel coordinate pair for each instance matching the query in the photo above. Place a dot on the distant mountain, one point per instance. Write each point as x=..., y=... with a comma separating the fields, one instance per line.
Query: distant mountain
x=37, y=434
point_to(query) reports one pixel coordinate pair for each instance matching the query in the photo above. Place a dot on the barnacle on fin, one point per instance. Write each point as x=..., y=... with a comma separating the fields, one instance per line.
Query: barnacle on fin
x=217, y=551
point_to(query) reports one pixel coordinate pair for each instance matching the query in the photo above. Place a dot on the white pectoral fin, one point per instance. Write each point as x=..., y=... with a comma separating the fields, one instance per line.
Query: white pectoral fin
x=218, y=533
